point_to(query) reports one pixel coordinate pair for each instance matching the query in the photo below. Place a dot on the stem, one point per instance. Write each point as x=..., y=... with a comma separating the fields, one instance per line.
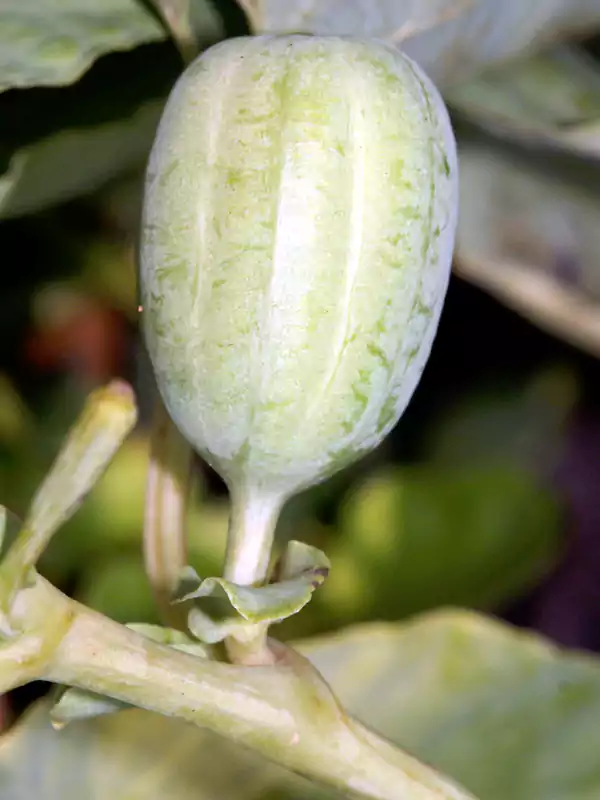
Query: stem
x=107, y=417
x=254, y=14
x=250, y=537
x=249, y=542
x=167, y=493
x=285, y=712
x=176, y=16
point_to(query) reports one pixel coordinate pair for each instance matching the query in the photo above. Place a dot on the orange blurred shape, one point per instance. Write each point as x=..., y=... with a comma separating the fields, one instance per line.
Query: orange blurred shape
x=76, y=332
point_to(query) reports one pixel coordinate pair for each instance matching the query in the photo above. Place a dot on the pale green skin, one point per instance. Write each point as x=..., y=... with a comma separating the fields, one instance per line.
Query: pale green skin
x=298, y=229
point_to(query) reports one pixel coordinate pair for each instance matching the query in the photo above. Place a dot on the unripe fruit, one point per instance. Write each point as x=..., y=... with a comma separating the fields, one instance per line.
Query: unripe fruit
x=298, y=230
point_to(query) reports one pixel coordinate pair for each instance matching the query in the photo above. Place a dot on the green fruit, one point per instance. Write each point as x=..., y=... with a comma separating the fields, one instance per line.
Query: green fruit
x=298, y=229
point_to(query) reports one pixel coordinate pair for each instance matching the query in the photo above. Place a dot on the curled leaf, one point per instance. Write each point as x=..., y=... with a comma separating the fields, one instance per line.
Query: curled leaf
x=234, y=610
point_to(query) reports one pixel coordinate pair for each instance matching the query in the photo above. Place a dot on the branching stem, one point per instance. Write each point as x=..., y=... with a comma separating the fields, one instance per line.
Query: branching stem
x=286, y=711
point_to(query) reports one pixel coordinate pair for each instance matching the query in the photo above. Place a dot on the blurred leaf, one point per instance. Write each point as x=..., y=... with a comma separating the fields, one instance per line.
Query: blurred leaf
x=529, y=234
x=413, y=539
x=119, y=588
x=500, y=710
x=15, y=422
x=61, y=143
x=53, y=42
x=550, y=99
x=135, y=755
x=382, y=18
x=503, y=712
x=43, y=174
x=525, y=427
x=451, y=39
x=104, y=124
x=118, y=497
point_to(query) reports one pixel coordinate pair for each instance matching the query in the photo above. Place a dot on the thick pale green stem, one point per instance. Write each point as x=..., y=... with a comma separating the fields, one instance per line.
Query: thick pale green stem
x=250, y=538
x=286, y=712
x=252, y=524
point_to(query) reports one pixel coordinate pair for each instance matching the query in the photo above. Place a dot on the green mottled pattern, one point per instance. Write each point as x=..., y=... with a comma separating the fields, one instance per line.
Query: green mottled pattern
x=298, y=229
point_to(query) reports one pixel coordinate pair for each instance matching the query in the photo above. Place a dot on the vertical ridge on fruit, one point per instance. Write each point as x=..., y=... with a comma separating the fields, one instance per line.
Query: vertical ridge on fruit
x=298, y=230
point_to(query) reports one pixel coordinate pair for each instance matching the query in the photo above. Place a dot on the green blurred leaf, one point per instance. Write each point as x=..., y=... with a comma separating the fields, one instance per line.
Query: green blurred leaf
x=551, y=99
x=413, y=539
x=105, y=123
x=523, y=426
x=74, y=705
x=134, y=755
x=500, y=710
x=451, y=39
x=15, y=421
x=119, y=588
x=53, y=42
x=528, y=234
x=59, y=143
x=503, y=712
x=42, y=174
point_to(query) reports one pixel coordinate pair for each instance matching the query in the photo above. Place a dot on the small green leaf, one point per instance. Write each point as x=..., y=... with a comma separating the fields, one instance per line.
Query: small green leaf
x=300, y=560
x=240, y=608
x=77, y=704
x=171, y=637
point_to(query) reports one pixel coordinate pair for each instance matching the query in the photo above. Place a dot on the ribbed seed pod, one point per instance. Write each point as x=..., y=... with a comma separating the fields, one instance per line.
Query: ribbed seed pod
x=298, y=229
